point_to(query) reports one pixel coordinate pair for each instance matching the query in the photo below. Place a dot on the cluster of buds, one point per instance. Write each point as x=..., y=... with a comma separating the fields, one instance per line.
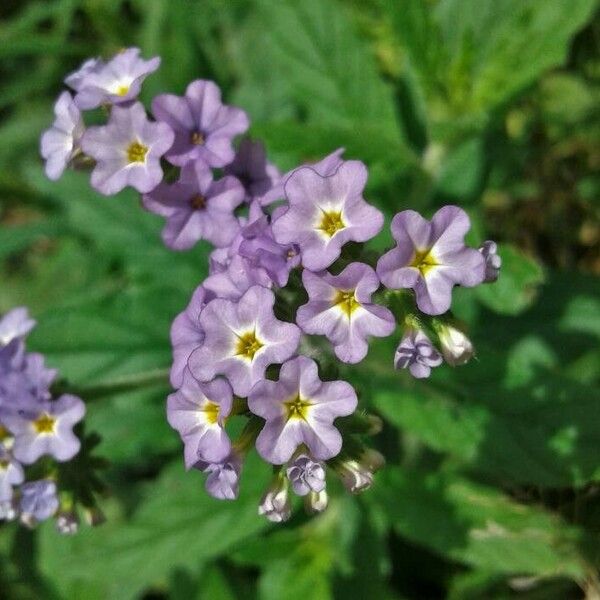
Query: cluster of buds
x=36, y=432
x=291, y=292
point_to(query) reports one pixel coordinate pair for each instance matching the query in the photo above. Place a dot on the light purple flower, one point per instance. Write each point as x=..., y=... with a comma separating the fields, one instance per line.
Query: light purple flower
x=261, y=251
x=340, y=307
x=186, y=334
x=493, y=261
x=223, y=481
x=46, y=428
x=417, y=354
x=127, y=150
x=326, y=212
x=15, y=324
x=38, y=501
x=11, y=474
x=326, y=166
x=300, y=409
x=250, y=166
x=116, y=82
x=306, y=475
x=60, y=143
x=242, y=339
x=204, y=127
x=198, y=412
x=197, y=207
x=431, y=257
x=236, y=279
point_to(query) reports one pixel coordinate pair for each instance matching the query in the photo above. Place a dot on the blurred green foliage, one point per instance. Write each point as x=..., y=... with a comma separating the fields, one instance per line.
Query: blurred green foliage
x=491, y=488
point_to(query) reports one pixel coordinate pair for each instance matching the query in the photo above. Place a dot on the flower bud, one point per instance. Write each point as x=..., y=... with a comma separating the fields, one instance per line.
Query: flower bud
x=493, y=261
x=94, y=516
x=275, y=504
x=67, y=522
x=316, y=502
x=8, y=510
x=355, y=476
x=306, y=475
x=416, y=353
x=457, y=348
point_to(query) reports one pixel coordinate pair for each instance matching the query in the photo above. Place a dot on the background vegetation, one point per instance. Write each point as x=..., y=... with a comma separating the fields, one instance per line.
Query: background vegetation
x=491, y=490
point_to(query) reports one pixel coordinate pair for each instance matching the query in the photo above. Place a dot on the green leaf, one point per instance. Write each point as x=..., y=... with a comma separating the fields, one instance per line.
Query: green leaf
x=477, y=525
x=176, y=526
x=516, y=288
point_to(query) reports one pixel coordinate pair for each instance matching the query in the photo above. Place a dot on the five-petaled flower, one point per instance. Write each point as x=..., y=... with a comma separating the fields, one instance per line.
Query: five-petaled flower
x=300, y=409
x=431, y=257
x=204, y=127
x=340, y=307
x=326, y=212
x=242, y=339
x=127, y=150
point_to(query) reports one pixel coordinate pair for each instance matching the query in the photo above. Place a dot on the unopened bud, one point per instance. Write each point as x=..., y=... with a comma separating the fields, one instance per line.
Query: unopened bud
x=67, y=523
x=316, y=502
x=356, y=477
x=275, y=504
x=457, y=348
x=94, y=516
x=493, y=262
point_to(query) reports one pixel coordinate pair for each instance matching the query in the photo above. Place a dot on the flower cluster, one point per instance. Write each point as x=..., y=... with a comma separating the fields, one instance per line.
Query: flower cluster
x=36, y=430
x=291, y=293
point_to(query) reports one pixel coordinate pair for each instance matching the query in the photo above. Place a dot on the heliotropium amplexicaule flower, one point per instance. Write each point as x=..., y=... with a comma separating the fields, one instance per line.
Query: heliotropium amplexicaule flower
x=340, y=307
x=198, y=412
x=431, y=257
x=60, y=143
x=186, y=334
x=116, y=82
x=46, y=428
x=417, y=354
x=197, y=207
x=326, y=212
x=39, y=501
x=223, y=481
x=204, y=127
x=127, y=150
x=242, y=339
x=300, y=409
x=306, y=475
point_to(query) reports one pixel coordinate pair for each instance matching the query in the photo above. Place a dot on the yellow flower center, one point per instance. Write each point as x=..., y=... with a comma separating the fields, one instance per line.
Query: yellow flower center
x=331, y=222
x=198, y=202
x=137, y=152
x=122, y=90
x=346, y=301
x=297, y=408
x=44, y=424
x=197, y=138
x=248, y=345
x=424, y=261
x=211, y=412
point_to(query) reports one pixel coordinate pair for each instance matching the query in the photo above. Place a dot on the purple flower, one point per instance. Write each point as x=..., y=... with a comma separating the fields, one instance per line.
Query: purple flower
x=326, y=212
x=204, y=127
x=38, y=501
x=300, y=409
x=275, y=503
x=197, y=208
x=261, y=251
x=431, y=257
x=242, y=339
x=250, y=166
x=116, y=82
x=127, y=150
x=15, y=324
x=11, y=474
x=198, y=412
x=340, y=307
x=417, y=354
x=60, y=143
x=306, y=475
x=46, y=428
x=186, y=334
x=326, y=166
x=223, y=481
x=493, y=261
x=236, y=279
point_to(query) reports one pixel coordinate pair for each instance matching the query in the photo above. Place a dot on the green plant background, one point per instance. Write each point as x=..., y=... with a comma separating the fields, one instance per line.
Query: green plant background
x=491, y=488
